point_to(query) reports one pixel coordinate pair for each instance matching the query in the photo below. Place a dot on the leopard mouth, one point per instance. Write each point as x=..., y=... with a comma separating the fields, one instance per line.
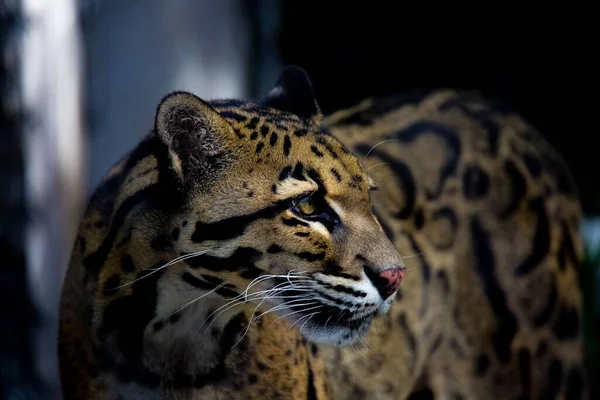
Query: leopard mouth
x=333, y=326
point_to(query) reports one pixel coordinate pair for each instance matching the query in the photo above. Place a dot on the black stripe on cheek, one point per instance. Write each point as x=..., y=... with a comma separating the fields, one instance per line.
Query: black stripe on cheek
x=344, y=289
x=232, y=227
x=310, y=257
x=242, y=260
x=225, y=291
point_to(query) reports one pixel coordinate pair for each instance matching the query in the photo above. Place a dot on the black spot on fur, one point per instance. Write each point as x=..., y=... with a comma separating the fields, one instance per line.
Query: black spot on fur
x=555, y=377
x=173, y=318
x=252, y=379
x=259, y=147
x=261, y=366
x=161, y=243
x=518, y=188
x=419, y=219
x=273, y=139
x=524, y=358
x=506, y=327
x=302, y=234
x=300, y=132
x=287, y=145
x=254, y=135
x=194, y=281
x=422, y=394
x=158, y=326
x=233, y=115
x=298, y=172
x=285, y=172
x=574, y=384
x=566, y=325
x=127, y=264
x=316, y=151
x=442, y=278
x=274, y=248
x=541, y=349
x=314, y=349
x=253, y=123
x=542, y=318
x=336, y=175
x=274, y=188
x=264, y=130
x=175, y=234
x=110, y=285
x=482, y=364
x=533, y=164
x=541, y=240
x=476, y=183
x=311, y=391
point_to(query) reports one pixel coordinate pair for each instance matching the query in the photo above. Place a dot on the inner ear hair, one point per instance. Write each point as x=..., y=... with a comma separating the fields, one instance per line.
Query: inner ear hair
x=198, y=138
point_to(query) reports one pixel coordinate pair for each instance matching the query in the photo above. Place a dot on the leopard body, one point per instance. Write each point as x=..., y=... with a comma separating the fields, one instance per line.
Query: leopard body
x=235, y=253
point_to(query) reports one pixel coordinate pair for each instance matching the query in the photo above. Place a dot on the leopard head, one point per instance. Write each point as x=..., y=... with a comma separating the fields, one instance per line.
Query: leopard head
x=279, y=211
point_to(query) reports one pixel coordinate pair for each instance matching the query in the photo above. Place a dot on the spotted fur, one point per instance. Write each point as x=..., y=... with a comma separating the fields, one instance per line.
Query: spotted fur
x=197, y=274
x=488, y=212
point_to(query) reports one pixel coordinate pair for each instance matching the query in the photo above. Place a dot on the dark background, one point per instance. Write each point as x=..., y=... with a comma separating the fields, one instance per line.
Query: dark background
x=536, y=59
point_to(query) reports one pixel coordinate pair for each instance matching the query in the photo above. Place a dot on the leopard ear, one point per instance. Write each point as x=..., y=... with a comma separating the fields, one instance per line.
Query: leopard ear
x=293, y=92
x=199, y=140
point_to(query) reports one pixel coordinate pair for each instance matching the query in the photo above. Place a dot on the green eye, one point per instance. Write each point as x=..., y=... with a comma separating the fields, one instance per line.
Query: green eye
x=306, y=206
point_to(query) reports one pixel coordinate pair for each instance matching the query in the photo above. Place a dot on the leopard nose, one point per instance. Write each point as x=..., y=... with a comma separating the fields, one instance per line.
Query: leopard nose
x=386, y=282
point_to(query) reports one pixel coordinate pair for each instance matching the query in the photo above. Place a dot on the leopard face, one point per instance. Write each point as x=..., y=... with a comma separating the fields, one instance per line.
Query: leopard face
x=279, y=211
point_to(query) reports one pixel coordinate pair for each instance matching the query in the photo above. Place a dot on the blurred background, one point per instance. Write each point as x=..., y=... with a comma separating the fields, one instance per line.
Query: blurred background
x=80, y=81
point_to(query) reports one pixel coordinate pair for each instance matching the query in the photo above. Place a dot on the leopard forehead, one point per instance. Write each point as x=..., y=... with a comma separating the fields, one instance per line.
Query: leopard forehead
x=278, y=144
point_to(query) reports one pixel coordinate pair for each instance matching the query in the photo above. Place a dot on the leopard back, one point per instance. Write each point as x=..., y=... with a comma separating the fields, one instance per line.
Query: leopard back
x=486, y=216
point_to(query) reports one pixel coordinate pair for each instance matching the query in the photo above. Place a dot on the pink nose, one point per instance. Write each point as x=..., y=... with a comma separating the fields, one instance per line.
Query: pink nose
x=388, y=281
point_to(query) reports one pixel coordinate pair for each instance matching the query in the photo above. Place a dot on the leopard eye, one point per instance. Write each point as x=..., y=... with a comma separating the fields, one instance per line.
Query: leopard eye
x=306, y=206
